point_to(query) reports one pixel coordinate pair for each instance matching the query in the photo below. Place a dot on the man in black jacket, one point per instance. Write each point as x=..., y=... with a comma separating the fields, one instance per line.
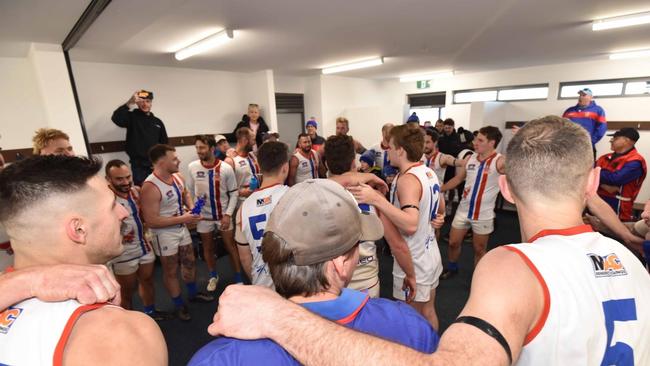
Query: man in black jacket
x=143, y=130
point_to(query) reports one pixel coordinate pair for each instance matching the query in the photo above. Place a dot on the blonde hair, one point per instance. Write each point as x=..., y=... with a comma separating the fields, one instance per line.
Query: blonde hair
x=43, y=137
x=343, y=120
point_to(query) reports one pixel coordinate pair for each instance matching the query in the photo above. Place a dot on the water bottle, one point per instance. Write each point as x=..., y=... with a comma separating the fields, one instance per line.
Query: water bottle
x=254, y=184
x=198, y=206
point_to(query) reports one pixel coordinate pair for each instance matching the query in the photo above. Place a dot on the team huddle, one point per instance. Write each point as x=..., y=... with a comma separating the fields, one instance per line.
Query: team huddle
x=301, y=224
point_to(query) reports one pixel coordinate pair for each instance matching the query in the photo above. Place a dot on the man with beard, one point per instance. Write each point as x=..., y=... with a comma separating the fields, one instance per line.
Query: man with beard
x=164, y=202
x=214, y=181
x=82, y=228
x=245, y=163
x=305, y=162
x=433, y=158
x=134, y=267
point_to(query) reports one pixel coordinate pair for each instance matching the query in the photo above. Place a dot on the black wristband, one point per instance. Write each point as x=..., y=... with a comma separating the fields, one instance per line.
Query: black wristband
x=488, y=329
x=410, y=206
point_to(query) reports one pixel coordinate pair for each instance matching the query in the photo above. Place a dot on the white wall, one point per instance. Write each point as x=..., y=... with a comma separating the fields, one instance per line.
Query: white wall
x=20, y=103
x=367, y=104
x=188, y=101
x=289, y=84
x=617, y=109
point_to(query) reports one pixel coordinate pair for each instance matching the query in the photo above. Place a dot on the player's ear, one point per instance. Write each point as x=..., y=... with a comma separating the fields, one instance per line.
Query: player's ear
x=593, y=181
x=505, y=189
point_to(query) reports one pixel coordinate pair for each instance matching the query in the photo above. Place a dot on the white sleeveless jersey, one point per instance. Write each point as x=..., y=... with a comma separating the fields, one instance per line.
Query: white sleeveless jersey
x=133, y=237
x=34, y=332
x=597, y=305
x=245, y=168
x=6, y=254
x=171, y=198
x=254, y=214
x=481, y=188
x=366, y=273
x=217, y=184
x=307, y=168
x=434, y=164
x=422, y=244
x=381, y=156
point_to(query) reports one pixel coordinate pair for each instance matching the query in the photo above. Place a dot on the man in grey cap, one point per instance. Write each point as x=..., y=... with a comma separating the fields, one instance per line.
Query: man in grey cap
x=622, y=173
x=312, y=268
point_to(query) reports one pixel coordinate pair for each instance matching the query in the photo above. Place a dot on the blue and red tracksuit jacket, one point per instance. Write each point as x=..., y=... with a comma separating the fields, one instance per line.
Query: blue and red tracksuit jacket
x=591, y=117
x=627, y=172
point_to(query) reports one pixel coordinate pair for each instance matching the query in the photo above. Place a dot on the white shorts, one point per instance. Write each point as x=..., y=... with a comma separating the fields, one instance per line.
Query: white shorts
x=208, y=226
x=129, y=262
x=480, y=227
x=167, y=241
x=422, y=292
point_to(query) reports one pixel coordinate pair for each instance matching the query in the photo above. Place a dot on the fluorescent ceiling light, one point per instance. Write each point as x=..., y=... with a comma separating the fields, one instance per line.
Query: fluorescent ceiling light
x=353, y=66
x=621, y=21
x=205, y=44
x=629, y=54
x=428, y=76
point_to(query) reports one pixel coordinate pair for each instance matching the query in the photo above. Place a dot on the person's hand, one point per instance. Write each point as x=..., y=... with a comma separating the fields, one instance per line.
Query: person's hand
x=245, y=192
x=364, y=193
x=247, y=312
x=645, y=215
x=438, y=221
x=134, y=99
x=462, y=162
x=634, y=242
x=410, y=287
x=88, y=284
x=189, y=218
x=225, y=222
x=515, y=128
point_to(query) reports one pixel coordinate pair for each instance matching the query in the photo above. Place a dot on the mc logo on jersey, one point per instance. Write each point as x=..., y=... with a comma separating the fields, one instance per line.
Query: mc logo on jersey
x=304, y=164
x=264, y=201
x=607, y=266
x=242, y=163
x=7, y=319
x=169, y=194
x=200, y=174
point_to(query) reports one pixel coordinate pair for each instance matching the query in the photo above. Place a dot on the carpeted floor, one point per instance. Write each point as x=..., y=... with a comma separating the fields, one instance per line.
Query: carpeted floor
x=185, y=338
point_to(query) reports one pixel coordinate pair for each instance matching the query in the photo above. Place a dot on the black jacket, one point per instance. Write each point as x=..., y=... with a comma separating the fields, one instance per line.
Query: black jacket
x=142, y=132
x=449, y=144
x=245, y=122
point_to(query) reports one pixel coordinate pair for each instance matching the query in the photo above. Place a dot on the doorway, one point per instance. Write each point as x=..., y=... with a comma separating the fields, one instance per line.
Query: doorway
x=291, y=117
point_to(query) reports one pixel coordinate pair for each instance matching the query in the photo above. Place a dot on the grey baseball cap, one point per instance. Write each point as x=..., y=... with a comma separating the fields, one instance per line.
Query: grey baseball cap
x=319, y=220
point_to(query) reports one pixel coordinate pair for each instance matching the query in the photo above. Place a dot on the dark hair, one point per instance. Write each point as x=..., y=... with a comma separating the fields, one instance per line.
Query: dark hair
x=492, y=133
x=289, y=278
x=411, y=139
x=339, y=153
x=115, y=163
x=432, y=133
x=449, y=122
x=206, y=139
x=158, y=151
x=271, y=156
x=243, y=132
x=31, y=181
x=303, y=134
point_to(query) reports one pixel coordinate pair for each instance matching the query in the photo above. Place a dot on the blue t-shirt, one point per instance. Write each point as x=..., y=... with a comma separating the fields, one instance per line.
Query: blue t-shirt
x=392, y=320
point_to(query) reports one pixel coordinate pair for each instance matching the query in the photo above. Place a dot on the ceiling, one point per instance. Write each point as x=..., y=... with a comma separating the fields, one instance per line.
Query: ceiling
x=295, y=37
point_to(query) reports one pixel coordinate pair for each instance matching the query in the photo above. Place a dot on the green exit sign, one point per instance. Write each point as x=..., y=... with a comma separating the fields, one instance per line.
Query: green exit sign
x=424, y=84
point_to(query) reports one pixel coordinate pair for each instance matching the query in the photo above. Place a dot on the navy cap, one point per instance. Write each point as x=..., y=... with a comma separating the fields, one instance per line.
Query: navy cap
x=628, y=132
